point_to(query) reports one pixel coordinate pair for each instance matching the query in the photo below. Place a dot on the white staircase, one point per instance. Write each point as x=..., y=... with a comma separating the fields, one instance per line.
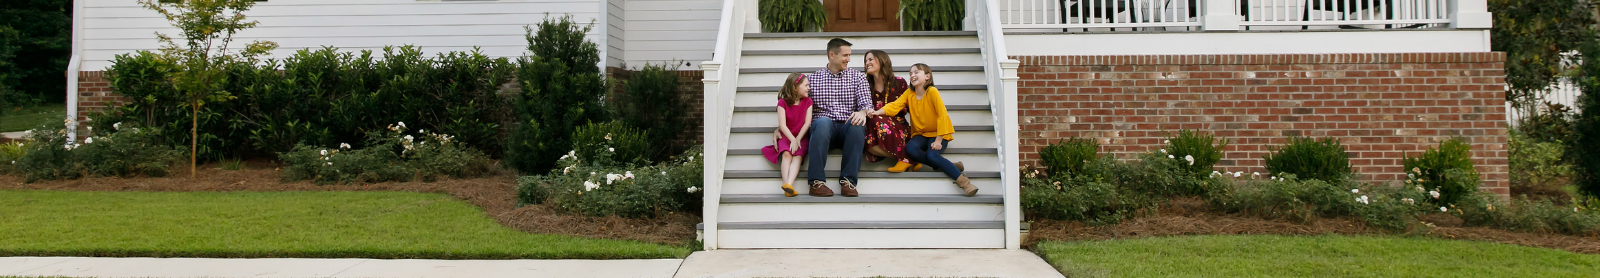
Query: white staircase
x=744, y=205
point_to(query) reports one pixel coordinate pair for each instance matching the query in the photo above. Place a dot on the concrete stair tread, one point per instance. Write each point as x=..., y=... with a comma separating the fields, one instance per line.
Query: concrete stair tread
x=861, y=34
x=980, y=107
x=836, y=151
x=941, y=87
x=769, y=129
x=863, y=198
x=857, y=225
x=936, y=69
x=890, y=51
x=773, y=174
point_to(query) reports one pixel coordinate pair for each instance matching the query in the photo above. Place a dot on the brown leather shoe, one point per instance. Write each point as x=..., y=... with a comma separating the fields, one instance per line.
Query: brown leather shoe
x=820, y=189
x=966, y=185
x=846, y=188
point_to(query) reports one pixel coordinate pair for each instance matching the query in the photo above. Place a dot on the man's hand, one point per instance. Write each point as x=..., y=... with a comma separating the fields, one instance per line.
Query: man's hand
x=878, y=112
x=938, y=145
x=858, y=118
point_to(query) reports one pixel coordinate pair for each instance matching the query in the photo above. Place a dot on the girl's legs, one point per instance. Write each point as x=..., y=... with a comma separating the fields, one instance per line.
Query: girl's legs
x=920, y=150
x=789, y=172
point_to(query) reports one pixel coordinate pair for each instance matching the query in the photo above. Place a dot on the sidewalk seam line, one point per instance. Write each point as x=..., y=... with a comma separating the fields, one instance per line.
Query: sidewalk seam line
x=335, y=274
x=19, y=273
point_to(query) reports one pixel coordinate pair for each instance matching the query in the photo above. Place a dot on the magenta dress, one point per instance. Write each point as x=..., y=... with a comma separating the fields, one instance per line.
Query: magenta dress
x=795, y=117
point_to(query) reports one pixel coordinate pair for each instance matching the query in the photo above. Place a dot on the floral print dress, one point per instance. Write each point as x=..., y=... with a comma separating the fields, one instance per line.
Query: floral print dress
x=887, y=131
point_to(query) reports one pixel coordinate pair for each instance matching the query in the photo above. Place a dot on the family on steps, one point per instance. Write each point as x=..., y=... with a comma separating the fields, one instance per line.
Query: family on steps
x=873, y=113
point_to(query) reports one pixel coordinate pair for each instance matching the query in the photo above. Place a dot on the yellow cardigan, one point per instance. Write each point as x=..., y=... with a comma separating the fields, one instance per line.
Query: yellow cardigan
x=928, y=116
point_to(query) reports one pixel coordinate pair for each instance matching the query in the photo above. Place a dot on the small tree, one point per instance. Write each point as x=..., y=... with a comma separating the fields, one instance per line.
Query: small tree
x=203, y=59
x=561, y=90
x=1586, y=126
x=1534, y=35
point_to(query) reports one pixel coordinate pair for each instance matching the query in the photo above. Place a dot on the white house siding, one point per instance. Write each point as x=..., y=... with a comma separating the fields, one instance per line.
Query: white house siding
x=616, y=20
x=663, y=31
x=121, y=26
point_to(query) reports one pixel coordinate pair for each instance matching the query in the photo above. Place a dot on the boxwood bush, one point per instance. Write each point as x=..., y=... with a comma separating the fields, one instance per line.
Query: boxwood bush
x=597, y=187
x=123, y=150
x=1318, y=159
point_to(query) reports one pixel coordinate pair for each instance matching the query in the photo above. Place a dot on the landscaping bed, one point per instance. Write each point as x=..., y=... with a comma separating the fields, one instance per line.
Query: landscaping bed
x=495, y=194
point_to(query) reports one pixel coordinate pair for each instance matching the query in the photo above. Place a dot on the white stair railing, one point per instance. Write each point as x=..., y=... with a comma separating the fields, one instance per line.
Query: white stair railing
x=1001, y=72
x=721, y=83
x=1063, y=14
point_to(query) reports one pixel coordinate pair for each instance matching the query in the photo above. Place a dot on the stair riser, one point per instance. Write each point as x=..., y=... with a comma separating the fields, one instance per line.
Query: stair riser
x=862, y=238
x=858, y=59
x=964, y=139
x=866, y=186
x=789, y=212
x=951, y=97
x=777, y=79
x=973, y=162
x=770, y=119
x=862, y=44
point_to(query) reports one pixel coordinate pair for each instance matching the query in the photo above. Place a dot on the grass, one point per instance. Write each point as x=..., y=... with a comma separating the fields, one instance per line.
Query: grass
x=1310, y=256
x=385, y=225
x=28, y=118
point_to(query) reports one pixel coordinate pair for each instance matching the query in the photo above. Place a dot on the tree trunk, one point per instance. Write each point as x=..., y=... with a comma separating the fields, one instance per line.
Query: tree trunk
x=194, y=136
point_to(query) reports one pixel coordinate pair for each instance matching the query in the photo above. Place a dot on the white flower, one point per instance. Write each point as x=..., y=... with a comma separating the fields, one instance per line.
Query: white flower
x=27, y=133
x=563, y=157
x=1362, y=200
x=330, y=163
x=116, y=126
x=1434, y=193
x=91, y=128
x=1355, y=191
x=572, y=153
x=1166, y=141
x=691, y=158
x=408, y=138
x=591, y=173
x=1163, y=150
x=663, y=173
x=1411, y=176
x=1190, y=158
x=1409, y=201
x=1443, y=209
x=402, y=124
x=87, y=140
x=608, y=137
x=566, y=170
x=628, y=174
x=1237, y=174
x=1215, y=173
x=324, y=152
x=344, y=146
x=589, y=185
x=1171, y=157
x=693, y=189
x=611, y=149
x=612, y=177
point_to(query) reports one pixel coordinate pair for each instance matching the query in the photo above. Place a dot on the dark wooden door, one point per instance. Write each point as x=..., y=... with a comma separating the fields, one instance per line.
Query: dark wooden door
x=862, y=15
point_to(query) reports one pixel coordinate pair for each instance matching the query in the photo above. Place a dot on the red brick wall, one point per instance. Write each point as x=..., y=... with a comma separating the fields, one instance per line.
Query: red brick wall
x=94, y=93
x=1382, y=107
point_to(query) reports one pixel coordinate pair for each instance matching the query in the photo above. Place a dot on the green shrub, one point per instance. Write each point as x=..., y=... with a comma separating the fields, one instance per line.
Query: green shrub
x=144, y=79
x=1101, y=195
x=392, y=155
x=1447, y=169
x=561, y=90
x=1586, y=128
x=1165, y=175
x=41, y=40
x=1198, y=151
x=1068, y=157
x=788, y=16
x=1301, y=200
x=1553, y=125
x=933, y=15
x=611, y=144
x=652, y=102
x=125, y=151
x=1483, y=209
x=1319, y=159
x=587, y=188
x=1537, y=165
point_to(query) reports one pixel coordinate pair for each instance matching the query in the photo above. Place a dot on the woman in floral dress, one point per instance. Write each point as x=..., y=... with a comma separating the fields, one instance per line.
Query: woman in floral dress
x=886, y=135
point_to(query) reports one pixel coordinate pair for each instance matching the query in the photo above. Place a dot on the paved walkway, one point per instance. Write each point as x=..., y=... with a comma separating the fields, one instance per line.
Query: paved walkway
x=718, y=264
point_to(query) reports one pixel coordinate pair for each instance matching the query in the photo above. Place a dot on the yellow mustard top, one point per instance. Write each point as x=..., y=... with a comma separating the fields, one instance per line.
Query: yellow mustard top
x=928, y=116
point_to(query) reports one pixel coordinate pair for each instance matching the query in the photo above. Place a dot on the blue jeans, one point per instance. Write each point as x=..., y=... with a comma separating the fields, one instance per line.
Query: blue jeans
x=828, y=134
x=920, y=149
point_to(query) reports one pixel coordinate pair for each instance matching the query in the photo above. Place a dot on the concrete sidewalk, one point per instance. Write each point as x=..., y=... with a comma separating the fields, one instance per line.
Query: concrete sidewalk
x=185, y=267
x=865, y=263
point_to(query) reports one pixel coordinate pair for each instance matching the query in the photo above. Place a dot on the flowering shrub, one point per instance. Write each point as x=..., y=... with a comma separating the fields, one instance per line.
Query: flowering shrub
x=1198, y=150
x=600, y=188
x=1521, y=214
x=124, y=151
x=392, y=155
x=1098, y=196
x=1291, y=198
x=1317, y=159
x=619, y=143
x=1069, y=156
x=1446, y=169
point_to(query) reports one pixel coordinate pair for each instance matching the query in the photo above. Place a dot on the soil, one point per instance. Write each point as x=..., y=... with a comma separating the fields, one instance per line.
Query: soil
x=1191, y=217
x=495, y=193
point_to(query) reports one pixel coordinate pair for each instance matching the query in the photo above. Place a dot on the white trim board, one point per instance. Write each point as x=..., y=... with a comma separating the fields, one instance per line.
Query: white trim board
x=1317, y=42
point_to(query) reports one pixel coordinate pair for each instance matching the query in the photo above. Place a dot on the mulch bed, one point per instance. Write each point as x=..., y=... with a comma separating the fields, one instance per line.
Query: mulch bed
x=496, y=194
x=1191, y=217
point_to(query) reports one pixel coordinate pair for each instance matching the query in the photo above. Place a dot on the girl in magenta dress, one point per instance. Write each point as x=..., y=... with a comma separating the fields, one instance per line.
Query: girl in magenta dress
x=794, y=122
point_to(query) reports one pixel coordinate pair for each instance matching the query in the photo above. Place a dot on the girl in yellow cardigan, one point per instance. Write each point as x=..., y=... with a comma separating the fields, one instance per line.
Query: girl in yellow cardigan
x=930, y=126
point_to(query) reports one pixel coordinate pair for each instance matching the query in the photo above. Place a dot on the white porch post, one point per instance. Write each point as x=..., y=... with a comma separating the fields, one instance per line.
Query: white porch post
x=1470, y=14
x=713, y=173
x=1220, y=16
x=1011, y=162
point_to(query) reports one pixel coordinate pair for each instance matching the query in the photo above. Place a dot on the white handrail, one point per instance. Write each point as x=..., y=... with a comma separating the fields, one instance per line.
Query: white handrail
x=721, y=82
x=1061, y=14
x=1001, y=72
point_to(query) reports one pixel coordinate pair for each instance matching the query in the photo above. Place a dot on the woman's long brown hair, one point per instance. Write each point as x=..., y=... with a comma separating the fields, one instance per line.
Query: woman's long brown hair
x=885, y=69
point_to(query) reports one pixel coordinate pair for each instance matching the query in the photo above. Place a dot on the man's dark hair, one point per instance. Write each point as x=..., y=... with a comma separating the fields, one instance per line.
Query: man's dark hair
x=835, y=43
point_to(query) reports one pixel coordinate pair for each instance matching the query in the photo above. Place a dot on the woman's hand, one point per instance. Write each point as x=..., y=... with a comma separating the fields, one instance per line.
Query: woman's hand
x=878, y=112
x=938, y=144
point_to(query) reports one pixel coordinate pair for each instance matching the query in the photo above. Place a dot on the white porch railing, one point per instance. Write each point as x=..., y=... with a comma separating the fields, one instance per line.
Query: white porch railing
x=1001, y=72
x=721, y=82
x=1378, y=14
x=1564, y=92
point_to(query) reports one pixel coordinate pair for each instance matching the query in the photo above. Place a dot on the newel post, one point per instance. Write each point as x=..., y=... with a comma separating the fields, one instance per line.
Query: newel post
x=1470, y=14
x=1220, y=16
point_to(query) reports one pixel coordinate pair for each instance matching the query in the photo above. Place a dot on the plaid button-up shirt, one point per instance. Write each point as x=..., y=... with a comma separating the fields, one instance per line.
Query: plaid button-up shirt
x=837, y=95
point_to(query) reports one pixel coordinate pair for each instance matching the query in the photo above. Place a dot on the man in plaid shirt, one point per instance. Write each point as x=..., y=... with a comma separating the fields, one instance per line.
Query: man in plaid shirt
x=842, y=102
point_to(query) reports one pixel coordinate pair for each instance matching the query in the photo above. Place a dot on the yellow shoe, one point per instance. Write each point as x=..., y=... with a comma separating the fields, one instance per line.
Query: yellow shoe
x=788, y=190
x=916, y=167
x=899, y=167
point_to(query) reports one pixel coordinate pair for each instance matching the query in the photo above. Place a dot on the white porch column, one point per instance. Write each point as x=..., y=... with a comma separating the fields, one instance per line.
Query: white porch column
x=1470, y=14
x=1219, y=16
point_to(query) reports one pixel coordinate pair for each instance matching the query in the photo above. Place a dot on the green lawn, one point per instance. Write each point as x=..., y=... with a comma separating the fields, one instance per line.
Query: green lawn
x=1311, y=256
x=281, y=224
x=28, y=118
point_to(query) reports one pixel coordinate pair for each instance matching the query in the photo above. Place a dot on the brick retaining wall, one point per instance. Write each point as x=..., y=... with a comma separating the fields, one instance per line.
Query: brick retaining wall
x=1381, y=106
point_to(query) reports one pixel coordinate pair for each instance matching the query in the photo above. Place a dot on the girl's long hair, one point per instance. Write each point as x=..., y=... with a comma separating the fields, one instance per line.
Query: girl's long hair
x=885, y=68
x=790, y=92
x=924, y=68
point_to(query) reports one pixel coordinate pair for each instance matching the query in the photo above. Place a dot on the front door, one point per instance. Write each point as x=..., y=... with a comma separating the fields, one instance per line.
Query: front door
x=862, y=15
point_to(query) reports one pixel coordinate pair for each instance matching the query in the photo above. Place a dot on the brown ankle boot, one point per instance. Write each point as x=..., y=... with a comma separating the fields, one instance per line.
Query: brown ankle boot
x=966, y=185
x=960, y=167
